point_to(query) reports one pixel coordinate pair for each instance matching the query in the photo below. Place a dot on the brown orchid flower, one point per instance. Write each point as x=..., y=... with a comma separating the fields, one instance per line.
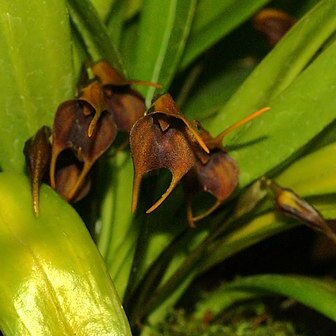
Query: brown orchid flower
x=217, y=176
x=273, y=24
x=165, y=139
x=83, y=130
x=126, y=104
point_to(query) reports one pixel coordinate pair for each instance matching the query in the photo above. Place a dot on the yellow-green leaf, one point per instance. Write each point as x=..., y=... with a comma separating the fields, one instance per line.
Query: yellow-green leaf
x=53, y=280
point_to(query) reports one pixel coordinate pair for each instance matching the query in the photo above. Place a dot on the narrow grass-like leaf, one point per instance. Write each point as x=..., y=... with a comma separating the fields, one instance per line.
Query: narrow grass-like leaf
x=94, y=33
x=120, y=263
x=117, y=188
x=156, y=234
x=115, y=22
x=311, y=176
x=53, y=280
x=207, y=255
x=314, y=293
x=37, y=73
x=326, y=205
x=257, y=229
x=117, y=236
x=127, y=43
x=214, y=20
x=163, y=31
x=217, y=304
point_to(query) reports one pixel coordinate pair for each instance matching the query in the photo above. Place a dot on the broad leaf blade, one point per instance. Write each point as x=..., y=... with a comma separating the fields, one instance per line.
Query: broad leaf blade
x=53, y=280
x=37, y=72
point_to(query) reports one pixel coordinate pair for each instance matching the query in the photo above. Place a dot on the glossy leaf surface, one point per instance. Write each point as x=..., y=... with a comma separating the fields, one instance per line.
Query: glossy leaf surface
x=53, y=280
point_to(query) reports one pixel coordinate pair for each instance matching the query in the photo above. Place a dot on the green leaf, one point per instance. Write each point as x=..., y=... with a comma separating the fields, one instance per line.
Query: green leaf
x=213, y=20
x=127, y=43
x=53, y=280
x=326, y=205
x=219, y=303
x=258, y=228
x=103, y=7
x=94, y=33
x=117, y=237
x=115, y=22
x=163, y=31
x=210, y=94
x=37, y=74
x=278, y=70
x=314, y=293
x=133, y=7
x=117, y=188
x=292, y=122
x=312, y=175
x=191, y=261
